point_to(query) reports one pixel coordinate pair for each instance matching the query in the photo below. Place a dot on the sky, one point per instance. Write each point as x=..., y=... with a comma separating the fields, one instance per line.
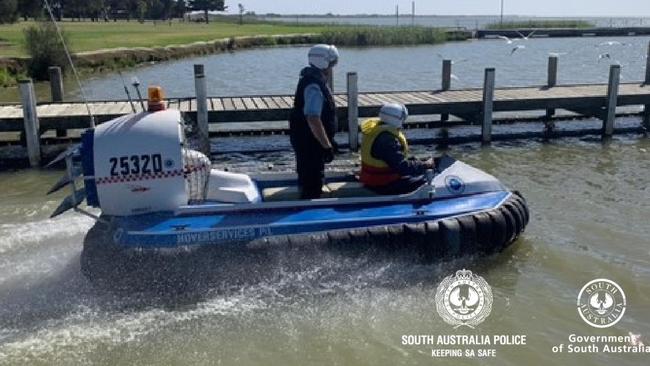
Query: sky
x=569, y=8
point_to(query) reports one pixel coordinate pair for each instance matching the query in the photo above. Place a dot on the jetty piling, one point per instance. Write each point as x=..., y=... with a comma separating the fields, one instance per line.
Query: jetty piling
x=202, y=109
x=330, y=81
x=551, y=80
x=646, y=107
x=353, y=111
x=56, y=91
x=612, y=98
x=446, y=83
x=487, y=106
x=31, y=125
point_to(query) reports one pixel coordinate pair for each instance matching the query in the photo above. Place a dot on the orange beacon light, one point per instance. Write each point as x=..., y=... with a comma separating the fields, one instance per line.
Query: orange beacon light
x=156, y=98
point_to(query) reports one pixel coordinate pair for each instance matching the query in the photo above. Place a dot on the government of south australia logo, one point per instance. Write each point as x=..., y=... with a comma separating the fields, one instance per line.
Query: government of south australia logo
x=601, y=303
x=464, y=299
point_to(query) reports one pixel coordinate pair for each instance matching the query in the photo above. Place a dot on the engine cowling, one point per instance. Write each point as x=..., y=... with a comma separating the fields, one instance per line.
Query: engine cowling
x=134, y=164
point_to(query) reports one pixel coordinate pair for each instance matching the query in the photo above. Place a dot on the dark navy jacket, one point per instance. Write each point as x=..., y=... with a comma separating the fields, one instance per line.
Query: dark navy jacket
x=387, y=148
x=300, y=132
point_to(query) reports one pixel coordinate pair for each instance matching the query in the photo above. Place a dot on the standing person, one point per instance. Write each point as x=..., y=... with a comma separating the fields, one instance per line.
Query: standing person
x=385, y=166
x=312, y=124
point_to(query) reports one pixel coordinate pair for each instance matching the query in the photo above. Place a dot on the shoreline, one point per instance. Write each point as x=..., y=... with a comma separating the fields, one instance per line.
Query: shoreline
x=124, y=58
x=113, y=59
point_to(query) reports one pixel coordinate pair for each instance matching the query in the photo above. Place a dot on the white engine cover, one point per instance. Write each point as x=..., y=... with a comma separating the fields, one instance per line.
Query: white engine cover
x=232, y=188
x=139, y=164
x=462, y=179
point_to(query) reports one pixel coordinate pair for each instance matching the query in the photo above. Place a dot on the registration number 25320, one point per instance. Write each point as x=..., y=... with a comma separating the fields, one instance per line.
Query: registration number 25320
x=136, y=164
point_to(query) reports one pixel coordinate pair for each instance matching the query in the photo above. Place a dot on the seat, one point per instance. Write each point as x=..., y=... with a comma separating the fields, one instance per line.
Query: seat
x=330, y=190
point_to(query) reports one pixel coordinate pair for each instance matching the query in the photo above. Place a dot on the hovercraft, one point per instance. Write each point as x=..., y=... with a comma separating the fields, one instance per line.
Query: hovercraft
x=159, y=198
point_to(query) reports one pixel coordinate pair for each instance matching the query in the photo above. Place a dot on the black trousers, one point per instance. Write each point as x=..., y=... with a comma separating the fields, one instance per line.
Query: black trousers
x=402, y=186
x=311, y=170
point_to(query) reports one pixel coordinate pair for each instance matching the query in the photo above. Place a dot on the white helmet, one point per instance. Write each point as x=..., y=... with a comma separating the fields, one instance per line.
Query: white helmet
x=393, y=114
x=323, y=56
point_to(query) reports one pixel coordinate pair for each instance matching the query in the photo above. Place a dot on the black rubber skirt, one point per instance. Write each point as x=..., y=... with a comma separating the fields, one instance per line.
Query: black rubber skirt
x=480, y=233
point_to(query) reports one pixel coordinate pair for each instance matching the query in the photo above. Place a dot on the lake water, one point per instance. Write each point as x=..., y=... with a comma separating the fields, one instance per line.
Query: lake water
x=275, y=70
x=589, y=207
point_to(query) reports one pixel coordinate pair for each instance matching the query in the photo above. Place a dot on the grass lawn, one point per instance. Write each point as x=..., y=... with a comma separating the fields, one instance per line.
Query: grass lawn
x=88, y=36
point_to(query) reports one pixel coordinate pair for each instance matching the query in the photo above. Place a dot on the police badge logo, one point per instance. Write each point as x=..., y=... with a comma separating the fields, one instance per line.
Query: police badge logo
x=601, y=303
x=464, y=299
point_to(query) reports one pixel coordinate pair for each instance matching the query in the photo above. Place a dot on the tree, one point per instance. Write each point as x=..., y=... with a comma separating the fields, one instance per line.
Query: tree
x=207, y=5
x=45, y=49
x=180, y=8
x=241, y=13
x=8, y=11
x=29, y=8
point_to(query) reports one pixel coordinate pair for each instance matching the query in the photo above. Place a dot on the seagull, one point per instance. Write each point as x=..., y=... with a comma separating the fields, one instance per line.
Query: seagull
x=635, y=339
x=525, y=38
x=508, y=40
x=557, y=54
x=455, y=77
x=453, y=62
x=518, y=47
x=611, y=43
x=604, y=55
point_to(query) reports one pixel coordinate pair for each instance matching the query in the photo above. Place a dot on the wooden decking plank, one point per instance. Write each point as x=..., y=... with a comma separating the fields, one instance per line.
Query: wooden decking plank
x=125, y=108
x=404, y=98
x=228, y=104
x=173, y=103
x=218, y=104
x=377, y=99
x=418, y=99
x=281, y=102
x=365, y=101
x=250, y=105
x=108, y=109
x=239, y=104
x=288, y=100
x=50, y=110
x=184, y=105
x=10, y=112
x=274, y=103
x=260, y=103
x=432, y=98
x=341, y=100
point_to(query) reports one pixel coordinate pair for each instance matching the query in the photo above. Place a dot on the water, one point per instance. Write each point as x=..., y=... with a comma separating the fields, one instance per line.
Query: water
x=589, y=205
x=456, y=21
x=275, y=70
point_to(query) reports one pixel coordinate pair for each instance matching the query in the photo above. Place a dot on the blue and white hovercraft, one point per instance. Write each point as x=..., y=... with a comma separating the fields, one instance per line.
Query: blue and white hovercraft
x=160, y=199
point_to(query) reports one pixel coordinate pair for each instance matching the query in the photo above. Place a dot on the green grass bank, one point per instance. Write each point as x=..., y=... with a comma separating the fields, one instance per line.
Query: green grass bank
x=102, y=46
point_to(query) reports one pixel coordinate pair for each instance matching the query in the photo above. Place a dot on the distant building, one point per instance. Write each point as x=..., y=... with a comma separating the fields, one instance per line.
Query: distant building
x=199, y=16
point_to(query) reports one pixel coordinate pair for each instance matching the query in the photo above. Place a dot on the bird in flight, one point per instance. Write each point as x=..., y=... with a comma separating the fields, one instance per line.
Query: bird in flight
x=610, y=43
x=517, y=48
x=508, y=40
x=525, y=38
x=453, y=62
x=604, y=56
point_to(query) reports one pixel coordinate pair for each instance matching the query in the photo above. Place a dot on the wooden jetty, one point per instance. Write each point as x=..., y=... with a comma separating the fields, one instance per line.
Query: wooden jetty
x=564, y=32
x=473, y=106
x=584, y=99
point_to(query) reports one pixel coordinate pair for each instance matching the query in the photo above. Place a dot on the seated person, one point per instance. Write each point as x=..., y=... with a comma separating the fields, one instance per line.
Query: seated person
x=385, y=166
